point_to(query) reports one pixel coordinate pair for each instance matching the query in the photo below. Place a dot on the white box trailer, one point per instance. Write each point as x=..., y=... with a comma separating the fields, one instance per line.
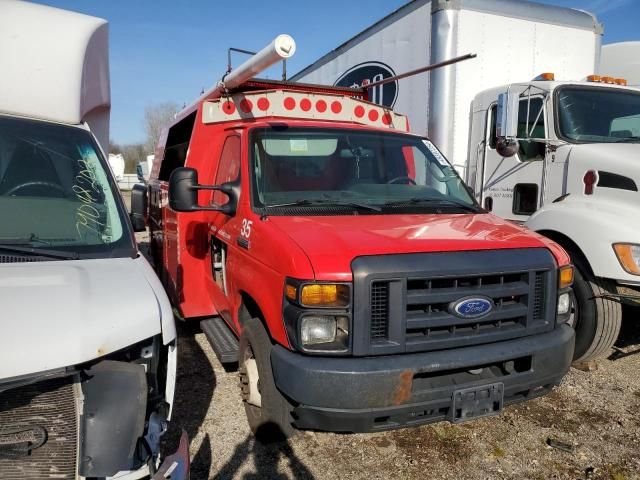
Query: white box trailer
x=514, y=41
x=622, y=59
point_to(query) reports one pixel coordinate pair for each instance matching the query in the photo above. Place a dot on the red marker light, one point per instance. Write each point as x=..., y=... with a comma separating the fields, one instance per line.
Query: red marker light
x=590, y=179
x=289, y=103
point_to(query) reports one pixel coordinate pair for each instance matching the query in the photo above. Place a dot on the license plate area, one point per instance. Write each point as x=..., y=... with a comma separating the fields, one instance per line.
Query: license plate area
x=476, y=402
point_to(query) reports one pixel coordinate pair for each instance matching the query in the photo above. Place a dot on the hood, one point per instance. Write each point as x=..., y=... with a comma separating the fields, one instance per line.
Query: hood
x=331, y=243
x=57, y=314
x=617, y=164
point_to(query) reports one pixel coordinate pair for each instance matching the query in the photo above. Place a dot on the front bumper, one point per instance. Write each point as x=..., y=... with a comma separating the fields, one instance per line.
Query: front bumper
x=387, y=392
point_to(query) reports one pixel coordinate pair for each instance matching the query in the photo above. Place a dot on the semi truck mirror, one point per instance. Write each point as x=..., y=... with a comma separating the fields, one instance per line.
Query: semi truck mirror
x=506, y=147
x=183, y=193
x=507, y=115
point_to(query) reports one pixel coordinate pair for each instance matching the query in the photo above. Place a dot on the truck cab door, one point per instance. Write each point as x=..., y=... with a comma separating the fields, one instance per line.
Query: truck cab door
x=511, y=186
x=223, y=230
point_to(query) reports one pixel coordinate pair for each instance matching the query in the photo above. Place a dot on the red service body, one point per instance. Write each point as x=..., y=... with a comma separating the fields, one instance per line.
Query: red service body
x=346, y=267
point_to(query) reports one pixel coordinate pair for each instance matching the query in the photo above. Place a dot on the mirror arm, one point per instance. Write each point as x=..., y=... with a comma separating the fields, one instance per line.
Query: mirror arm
x=226, y=188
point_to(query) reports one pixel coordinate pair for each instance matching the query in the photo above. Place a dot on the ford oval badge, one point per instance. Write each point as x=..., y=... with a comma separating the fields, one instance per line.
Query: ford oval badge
x=472, y=307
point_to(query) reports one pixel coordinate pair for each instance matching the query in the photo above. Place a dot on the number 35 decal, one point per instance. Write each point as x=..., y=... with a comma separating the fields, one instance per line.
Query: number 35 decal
x=245, y=231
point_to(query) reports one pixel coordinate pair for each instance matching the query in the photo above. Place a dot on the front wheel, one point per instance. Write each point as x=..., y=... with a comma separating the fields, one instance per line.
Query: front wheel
x=269, y=413
x=596, y=319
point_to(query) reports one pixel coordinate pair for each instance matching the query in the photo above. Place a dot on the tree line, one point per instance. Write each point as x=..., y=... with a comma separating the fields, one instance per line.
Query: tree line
x=156, y=117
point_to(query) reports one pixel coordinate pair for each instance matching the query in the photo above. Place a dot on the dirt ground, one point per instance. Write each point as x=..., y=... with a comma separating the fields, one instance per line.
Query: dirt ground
x=595, y=415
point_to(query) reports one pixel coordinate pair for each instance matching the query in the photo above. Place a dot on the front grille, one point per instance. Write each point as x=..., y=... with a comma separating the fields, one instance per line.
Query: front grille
x=379, y=310
x=411, y=304
x=50, y=405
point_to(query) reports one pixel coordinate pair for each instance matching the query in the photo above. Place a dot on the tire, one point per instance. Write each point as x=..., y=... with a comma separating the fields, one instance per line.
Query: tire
x=597, y=320
x=272, y=420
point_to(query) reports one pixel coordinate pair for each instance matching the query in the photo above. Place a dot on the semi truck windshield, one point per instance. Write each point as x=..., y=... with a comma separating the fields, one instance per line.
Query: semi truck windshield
x=370, y=171
x=56, y=193
x=596, y=114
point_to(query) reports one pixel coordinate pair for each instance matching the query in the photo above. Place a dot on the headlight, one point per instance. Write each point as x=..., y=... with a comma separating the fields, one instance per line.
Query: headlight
x=564, y=303
x=324, y=331
x=629, y=257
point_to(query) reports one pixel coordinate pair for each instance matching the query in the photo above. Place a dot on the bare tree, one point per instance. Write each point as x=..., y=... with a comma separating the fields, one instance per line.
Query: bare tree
x=156, y=117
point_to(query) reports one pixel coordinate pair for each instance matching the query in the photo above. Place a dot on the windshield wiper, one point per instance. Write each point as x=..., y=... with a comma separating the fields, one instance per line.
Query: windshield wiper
x=327, y=203
x=435, y=203
x=37, y=252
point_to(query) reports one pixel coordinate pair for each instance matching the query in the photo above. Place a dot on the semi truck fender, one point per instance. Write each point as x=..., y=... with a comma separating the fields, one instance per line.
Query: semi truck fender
x=593, y=228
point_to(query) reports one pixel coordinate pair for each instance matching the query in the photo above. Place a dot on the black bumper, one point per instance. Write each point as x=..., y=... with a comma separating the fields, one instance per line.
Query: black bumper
x=386, y=392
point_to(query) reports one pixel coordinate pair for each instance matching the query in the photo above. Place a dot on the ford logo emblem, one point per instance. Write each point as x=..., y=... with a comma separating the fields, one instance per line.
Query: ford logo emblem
x=369, y=72
x=471, y=307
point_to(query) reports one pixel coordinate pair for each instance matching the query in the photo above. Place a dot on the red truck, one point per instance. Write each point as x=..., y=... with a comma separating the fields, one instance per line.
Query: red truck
x=346, y=267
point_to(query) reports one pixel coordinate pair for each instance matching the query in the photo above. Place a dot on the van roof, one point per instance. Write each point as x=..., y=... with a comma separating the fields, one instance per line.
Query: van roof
x=56, y=65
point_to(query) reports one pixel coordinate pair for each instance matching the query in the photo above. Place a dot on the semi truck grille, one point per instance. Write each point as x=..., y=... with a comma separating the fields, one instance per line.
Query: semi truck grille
x=38, y=431
x=411, y=305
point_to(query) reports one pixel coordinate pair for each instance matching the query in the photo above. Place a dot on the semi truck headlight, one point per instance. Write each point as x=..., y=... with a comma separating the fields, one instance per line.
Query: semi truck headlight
x=324, y=330
x=629, y=257
x=564, y=303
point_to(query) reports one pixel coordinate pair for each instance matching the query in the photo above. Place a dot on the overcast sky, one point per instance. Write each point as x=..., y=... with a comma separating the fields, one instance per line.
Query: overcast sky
x=163, y=50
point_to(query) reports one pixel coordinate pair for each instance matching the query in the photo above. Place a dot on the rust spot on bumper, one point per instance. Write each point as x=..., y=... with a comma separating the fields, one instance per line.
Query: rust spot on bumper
x=403, y=390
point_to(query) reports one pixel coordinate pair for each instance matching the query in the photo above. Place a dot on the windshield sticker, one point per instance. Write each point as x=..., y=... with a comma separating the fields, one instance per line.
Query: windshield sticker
x=88, y=192
x=298, y=144
x=436, y=153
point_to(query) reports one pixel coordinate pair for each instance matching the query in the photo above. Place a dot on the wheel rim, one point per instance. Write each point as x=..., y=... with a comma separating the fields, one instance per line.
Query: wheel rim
x=250, y=380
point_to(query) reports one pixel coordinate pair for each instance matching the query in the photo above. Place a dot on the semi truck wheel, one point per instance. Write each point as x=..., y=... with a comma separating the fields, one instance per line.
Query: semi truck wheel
x=596, y=319
x=268, y=411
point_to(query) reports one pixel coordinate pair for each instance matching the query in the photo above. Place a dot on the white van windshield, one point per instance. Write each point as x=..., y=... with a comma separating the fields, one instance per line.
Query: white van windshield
x=55, y=192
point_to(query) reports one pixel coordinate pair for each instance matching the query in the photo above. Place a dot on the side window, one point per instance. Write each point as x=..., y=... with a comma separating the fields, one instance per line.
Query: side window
x=525, y=198
x=228, y=167
x=175, y=150
x=492, y=125
x=531, y=125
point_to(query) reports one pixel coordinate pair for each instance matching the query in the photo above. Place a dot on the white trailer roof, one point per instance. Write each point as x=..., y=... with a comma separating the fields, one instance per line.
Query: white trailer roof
x=522, y=9
x=621, y=60
x=55, y=65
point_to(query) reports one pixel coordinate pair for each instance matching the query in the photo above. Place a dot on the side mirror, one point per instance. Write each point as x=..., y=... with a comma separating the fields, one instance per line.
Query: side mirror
x=138, y=207
x=507, y=115
x=506, y=147
x=183, y=193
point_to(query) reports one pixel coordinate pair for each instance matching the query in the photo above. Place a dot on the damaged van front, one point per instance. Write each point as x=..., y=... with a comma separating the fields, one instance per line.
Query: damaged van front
x=87, y=335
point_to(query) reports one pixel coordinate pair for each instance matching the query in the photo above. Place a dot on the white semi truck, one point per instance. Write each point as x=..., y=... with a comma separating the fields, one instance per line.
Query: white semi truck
x=87, y=336
x=566, y=162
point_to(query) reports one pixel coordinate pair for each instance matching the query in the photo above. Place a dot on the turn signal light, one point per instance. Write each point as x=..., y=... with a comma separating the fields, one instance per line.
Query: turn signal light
x=325, y=295
x=608, y=80
x=546, y=76
x=594, y=78
x=629, y=257
x=565, y=278
x=620, y=81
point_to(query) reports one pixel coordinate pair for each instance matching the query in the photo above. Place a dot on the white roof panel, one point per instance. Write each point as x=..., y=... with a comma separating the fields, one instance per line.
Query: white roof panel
x=54, y=64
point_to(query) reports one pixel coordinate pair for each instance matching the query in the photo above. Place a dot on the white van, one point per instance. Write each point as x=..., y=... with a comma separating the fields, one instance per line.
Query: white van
x=88, y=338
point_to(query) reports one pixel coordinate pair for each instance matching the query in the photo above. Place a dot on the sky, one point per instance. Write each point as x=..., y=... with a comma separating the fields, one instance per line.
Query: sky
x=169, y=51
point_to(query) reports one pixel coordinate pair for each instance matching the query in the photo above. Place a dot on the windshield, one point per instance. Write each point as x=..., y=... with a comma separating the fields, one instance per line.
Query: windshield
x=347, y=170
x=592, y=114
x=55, y=192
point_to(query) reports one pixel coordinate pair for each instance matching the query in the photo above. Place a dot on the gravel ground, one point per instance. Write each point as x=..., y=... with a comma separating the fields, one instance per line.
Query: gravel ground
x=595, y=414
